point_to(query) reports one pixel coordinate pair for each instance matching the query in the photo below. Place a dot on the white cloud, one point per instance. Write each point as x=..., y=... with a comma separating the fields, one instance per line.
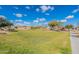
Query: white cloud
x=37, y=9
x=19, y=15
x=41, y=19
x=35, y=21
x=19, y=20
x=75, y=10
x=46, y=8
x=2, y=16
x=18, y=24
x=45, y=23
x=69, y=17
x=51, y=8
x=26, y=22
x=64, y=20
x=27, y=7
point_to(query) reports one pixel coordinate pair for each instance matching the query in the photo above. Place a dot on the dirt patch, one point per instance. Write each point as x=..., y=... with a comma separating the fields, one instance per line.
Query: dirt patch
x=4, y=32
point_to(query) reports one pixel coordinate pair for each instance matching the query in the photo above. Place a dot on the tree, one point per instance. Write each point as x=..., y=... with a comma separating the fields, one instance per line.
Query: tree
x=53, y=23
x=4, y=22
x=69, y=26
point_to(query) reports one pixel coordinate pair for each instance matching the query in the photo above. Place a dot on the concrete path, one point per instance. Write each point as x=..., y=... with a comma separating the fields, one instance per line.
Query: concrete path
x=74, y=43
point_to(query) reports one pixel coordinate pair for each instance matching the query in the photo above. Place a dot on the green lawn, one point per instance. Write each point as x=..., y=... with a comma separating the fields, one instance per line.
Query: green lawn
x=35, y=42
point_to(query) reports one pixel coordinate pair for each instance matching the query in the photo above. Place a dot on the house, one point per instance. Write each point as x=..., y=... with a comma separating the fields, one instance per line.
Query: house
x=75, y=28
x=23, y=27
x=59, y=28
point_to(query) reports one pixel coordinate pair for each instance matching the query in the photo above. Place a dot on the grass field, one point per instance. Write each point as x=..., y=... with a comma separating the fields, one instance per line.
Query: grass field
x=35, y=42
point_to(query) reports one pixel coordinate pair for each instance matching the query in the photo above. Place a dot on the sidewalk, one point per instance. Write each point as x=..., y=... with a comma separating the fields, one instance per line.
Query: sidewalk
x=74, y=43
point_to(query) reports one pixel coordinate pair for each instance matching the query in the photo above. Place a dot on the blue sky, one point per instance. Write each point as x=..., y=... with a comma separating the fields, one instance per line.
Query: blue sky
x=33, y=15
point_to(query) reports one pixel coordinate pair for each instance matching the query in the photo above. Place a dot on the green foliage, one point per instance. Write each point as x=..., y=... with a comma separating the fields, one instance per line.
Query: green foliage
x=53, y=23
x=64, y=50
x=69, y=26
x=4, y=22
